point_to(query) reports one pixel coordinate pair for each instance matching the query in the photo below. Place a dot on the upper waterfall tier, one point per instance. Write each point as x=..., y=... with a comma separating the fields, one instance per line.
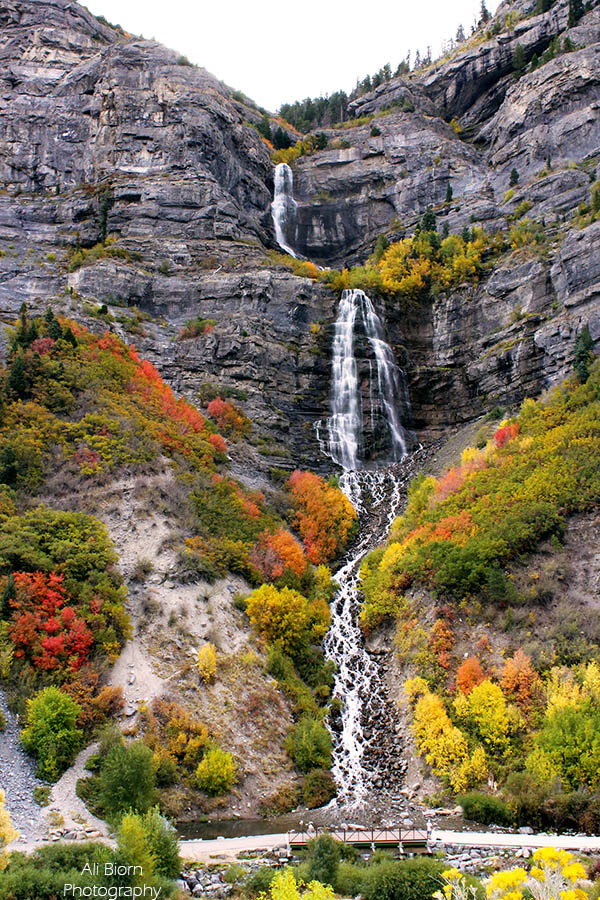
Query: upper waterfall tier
x=283, y=208
x=387, y=394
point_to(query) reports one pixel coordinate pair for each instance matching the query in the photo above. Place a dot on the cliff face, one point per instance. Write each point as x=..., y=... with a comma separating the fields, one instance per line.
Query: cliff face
x=106, y=135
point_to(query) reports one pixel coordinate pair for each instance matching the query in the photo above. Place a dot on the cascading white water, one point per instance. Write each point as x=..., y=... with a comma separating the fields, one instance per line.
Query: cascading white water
x=345, y=425
x=358, y=682
x=283, y=207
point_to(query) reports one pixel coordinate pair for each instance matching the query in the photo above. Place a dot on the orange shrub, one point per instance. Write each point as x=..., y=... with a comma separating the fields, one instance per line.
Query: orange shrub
x=505, y=434
x=441, y=642
x=520, y=681
x=469, y=675
x=229, y=419
x=274, y=553
x=325, y=517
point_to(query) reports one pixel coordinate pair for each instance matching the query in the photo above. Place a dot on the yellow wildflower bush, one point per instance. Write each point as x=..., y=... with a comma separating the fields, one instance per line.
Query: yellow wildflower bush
x=553, y=875
x=285, y=887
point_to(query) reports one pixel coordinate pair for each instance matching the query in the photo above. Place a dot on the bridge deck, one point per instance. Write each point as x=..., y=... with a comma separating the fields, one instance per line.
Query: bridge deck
x=364, y=837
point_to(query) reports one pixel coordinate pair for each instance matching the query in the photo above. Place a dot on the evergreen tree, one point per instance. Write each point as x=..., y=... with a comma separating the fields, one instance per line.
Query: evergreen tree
x=519, y=60
x=428, y=222
x=514, y=177
x=264, y=127
x=70, y=337
x=465, y=234
x=32, y=334
x=576, y=11
x=54, y=330
x=583, y=354
x=460, y=34
x=484, y=14
x=449, y=193
x=281, y=139
x=17, y=378
x=8, y=594
x=445, y=230
x=380, y=247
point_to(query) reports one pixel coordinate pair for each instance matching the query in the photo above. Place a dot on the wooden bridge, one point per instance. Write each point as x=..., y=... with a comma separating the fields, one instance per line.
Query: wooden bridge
x=399, y=838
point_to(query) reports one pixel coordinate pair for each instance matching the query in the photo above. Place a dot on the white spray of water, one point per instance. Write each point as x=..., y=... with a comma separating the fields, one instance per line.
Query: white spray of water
x=283, y=207
x=376, y=495
x=345, y=425
x=358, y=682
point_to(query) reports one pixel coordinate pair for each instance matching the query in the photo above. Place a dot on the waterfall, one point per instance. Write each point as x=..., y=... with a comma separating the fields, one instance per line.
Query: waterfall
x=345, y=425
x=368, y=715
x=283, y=207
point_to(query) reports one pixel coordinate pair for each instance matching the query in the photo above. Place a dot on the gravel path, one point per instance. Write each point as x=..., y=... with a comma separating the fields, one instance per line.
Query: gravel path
x=64, y=798
x=18, y=780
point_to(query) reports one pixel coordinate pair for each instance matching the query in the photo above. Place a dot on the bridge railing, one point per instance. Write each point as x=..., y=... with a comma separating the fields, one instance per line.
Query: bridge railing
x=361, y=836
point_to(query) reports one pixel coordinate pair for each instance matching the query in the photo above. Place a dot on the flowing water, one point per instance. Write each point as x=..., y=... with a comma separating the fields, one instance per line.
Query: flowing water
x=387, y=392
x=366, y=747
x=283, y=208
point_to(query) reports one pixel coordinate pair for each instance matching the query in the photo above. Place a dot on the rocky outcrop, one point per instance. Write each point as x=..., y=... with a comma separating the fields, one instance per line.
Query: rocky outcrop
x=103, y=134
x=551, y=114
x=456, y=84
x=385, y=180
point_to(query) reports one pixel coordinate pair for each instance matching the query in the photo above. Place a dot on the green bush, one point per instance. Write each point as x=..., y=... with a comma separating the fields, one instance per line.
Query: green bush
x=127, y=780
x=323, y=858
x=162, y=842
x=485, y=809
x=309, y=745
x=415, y=879
x=318, y=788
x=51, y=733
x=216, y=772
x=259, y=881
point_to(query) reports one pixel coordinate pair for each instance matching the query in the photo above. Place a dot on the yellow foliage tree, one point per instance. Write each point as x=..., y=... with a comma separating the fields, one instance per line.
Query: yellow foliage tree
x=486, y=709
x=286, y=617
x=206, y=662
x=444, y=745
x=7, y=832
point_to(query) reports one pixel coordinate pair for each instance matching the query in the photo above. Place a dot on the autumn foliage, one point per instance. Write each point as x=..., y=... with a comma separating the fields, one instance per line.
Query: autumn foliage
x=469, y=675
x=44, y=628
x=459, y=530
x=274, y=553
x=325, y=517
x=228, y=419
x=287, y=618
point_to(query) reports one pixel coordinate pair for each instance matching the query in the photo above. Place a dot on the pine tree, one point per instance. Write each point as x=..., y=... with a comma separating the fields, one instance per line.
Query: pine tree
x=54, y=330
x=514, y=177
x=484, y=14
x=583, y=354
x=460, y=34
x=576, y=11
x=428, y=221
x=519, y=60
x=8, y=594
x=449, y=193
x=17, y=379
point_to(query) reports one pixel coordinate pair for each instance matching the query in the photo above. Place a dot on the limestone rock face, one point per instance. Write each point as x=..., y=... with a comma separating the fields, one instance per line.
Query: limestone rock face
x=106, y=136
x=81, y=104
